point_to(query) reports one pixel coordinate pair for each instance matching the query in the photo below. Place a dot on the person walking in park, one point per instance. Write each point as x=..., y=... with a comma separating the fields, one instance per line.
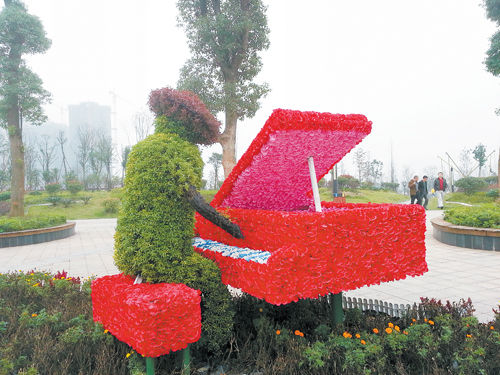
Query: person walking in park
x=413, y=185
x=440, y=186
x=423, y=192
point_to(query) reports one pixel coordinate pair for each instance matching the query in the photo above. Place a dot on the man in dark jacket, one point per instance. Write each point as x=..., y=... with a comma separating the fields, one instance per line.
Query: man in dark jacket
x=413, y=185
x=423, y=192
x=440, y=186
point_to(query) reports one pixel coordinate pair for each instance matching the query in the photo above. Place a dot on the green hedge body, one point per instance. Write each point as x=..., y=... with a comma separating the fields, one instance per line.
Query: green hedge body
x=13, y=224
x=483, y=216
x=155, y=229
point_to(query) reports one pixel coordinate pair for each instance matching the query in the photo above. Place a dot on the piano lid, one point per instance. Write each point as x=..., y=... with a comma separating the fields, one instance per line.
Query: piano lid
x=273, y=173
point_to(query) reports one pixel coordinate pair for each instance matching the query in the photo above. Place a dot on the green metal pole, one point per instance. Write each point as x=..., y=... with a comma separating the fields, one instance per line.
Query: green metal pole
x=338, y=312
x=150, y=366
x=186, y=361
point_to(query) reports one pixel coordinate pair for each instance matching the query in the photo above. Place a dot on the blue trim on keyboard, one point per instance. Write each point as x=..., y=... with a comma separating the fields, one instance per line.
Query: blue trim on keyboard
x=235, y=252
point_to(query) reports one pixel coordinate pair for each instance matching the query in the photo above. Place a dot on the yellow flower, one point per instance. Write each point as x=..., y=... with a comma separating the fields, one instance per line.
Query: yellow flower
x=62, y=277
x=128, y=355
x=106, y=331
x=363, y=342
x=31, y=274
x=34, y=315
x=358, y=335
x=278, y=332
x=396, y=328
x=391, y=325
x=468, y=336
x=36, y=284
x=375, y=330
x=431, y=322
x=492, y=328
x=388, y=330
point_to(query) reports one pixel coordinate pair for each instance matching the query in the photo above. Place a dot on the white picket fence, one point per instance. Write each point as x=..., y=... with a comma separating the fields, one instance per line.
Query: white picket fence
x=364, y=304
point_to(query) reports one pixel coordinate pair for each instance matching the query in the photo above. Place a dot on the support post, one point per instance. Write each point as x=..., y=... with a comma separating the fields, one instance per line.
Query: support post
x=336, y=302
x=186, y=361
x=337, y=311
x=150, y=366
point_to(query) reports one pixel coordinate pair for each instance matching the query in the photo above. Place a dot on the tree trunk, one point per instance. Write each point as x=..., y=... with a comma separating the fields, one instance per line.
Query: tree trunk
x=228, y=143
x=17, y=162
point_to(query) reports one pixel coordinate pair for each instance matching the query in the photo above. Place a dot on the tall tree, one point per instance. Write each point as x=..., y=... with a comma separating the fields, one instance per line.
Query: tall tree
x=225, y=38
x=46, y=156
x=85, y=144
x=360, y=161
x=21, y=91
x=479, y=154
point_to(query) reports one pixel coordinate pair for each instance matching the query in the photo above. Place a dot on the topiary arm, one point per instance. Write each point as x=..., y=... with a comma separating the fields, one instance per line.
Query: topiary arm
x=208, y=212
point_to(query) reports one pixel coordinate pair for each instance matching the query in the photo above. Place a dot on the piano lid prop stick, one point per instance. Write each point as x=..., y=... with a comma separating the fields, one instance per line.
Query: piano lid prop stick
x=314, y=183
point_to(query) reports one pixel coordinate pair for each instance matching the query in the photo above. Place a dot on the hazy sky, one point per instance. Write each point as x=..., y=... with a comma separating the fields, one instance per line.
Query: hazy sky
x=413, y=68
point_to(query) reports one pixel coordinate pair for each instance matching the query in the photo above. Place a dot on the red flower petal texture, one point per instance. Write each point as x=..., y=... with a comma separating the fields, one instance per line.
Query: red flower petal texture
x=268, y=194
x=154, y=319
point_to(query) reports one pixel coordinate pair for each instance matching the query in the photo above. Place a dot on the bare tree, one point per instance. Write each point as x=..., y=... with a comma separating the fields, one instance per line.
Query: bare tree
x=85, y=143
x=215, y=161
x=143, y=125
x=61, y=140
x=407, y=175
x=5, y=169
x=46, y=157
x=465, y=162
x=124, y=159
x=360, y=161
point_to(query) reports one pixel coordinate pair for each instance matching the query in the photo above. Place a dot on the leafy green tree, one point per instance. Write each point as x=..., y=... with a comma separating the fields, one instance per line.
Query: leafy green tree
x=225, y=38
x=479, y=153
x=21, y=91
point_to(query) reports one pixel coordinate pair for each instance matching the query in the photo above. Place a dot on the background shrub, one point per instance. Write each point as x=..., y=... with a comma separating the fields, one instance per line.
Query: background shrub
x=12, y=224
x=74, y=186
x=53, y=188
x=471, y=185
x=111, y=205
x=4, y=195
x=492, y=193
x=348, y=182
x=4, y=208
x=483, y=216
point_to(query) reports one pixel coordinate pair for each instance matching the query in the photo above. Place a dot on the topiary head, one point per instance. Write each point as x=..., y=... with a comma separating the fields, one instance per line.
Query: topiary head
x=184, y=114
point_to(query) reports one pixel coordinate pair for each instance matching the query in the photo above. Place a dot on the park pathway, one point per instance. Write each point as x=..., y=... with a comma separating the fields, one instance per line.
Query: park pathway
x=454, y=272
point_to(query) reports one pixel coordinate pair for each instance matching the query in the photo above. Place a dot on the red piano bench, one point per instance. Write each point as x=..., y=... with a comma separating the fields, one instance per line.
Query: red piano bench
x=154, y=319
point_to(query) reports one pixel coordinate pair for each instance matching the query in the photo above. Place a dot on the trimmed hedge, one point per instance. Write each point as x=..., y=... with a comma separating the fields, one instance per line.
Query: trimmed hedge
x=155, y=229
x=483, y=216
x=13, y=224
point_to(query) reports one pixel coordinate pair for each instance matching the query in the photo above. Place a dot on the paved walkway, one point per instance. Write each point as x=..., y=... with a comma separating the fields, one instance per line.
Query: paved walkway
x=454, y=272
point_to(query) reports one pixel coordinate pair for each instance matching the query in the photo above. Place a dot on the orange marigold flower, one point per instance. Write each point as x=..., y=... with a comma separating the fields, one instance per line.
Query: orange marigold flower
x=431, y=322
x=363, y=342
x=405, y=332
x=34, y=315
x=388, y=330
x=492, y=328
x=396, y=328
x=278, y=332
x=468, y=336
x=375, y=330
x=298, y=333
x=414, y=320
x=425, y=320
x=358, y=335
x=347, y=335
x=391, y=325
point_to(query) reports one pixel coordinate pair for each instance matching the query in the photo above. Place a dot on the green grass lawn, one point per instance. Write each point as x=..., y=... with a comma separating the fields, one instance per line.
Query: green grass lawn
x=78, y=210
x=365, y=196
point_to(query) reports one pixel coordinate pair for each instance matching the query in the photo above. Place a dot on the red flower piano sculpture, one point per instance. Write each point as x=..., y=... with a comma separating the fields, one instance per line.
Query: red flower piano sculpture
x=290, y=251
